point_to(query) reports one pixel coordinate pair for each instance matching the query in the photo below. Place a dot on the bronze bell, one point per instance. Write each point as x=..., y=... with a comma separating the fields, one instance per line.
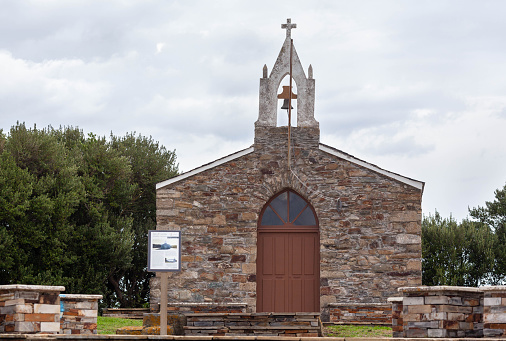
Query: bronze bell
x=285, y=104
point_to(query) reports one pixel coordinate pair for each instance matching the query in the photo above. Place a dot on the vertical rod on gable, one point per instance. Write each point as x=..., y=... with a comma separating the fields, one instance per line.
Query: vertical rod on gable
x=290, y=107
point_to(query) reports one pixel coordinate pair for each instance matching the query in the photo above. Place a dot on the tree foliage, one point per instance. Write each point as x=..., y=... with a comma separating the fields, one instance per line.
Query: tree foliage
x=494, y=215
x=456, y=253
x=75, y=210
x=469, y=253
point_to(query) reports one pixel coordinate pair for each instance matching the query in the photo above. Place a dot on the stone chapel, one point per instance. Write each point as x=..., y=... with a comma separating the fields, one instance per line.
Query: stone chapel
x=295, y=231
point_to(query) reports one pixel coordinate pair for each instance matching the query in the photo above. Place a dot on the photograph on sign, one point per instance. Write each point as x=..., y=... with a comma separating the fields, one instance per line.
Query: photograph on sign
x=164, y=251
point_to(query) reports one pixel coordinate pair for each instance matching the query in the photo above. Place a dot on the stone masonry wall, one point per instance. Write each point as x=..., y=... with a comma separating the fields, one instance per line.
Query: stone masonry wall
x=369, y=248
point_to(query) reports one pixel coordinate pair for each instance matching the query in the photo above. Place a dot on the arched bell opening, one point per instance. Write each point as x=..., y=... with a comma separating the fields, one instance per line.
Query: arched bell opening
x=282, y=102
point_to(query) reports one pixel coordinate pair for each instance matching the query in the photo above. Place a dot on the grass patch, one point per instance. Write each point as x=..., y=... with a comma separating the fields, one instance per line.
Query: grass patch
x=344, y=330
x=108, y=325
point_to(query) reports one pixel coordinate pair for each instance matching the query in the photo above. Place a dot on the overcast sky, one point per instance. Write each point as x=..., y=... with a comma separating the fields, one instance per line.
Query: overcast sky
x=414, y=87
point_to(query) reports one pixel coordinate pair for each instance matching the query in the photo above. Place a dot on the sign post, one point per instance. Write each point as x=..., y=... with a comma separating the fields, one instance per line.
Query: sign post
x=164, y=284
x=164, y=256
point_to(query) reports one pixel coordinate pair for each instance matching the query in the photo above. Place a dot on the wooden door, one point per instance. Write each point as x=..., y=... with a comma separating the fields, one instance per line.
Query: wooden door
x=288, y=278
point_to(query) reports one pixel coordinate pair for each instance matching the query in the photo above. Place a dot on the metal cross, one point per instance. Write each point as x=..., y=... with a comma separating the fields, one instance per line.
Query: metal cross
x=288, y=26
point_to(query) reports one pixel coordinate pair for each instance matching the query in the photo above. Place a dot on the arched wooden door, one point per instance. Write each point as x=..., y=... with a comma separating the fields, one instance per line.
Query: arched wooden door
x=288, y=262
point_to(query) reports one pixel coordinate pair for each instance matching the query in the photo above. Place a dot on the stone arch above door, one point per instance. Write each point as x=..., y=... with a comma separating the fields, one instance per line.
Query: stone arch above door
x=288, y=262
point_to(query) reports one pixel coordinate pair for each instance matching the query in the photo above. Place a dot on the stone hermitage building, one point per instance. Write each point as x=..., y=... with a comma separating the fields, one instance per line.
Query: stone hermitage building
x=298, y=236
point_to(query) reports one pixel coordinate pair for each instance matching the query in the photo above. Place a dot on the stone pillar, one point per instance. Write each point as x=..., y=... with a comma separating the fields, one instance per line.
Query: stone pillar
x=30, y=309
x=494, y=311
x=442, y=311
x=397, y=321
x=79, y=314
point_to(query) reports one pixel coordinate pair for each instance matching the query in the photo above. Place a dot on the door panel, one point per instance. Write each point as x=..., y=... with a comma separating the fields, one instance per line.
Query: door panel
x=297, y=263
x=310, y=249
x=297, y=294
x=294, y=285
x=267, y=261
x=279, y=255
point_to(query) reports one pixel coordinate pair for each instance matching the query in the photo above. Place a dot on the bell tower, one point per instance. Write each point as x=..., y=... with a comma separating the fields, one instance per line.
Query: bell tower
x=267, y=116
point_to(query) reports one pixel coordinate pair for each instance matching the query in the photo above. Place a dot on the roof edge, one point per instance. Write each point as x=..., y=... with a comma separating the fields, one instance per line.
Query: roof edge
x=411, y=182
x=205, y=167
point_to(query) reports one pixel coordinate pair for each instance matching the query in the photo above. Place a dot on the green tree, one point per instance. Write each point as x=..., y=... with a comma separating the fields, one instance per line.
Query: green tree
x=15, y=193
x=456, y=254
x=493, y=214
x=42, y=232
x=103, y=240
x=75, y=210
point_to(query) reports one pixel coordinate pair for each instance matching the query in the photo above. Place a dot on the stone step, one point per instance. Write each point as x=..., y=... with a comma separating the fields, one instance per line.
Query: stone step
x=252, y=327
x=314, y=314
x=274, y=327
x=254, y=324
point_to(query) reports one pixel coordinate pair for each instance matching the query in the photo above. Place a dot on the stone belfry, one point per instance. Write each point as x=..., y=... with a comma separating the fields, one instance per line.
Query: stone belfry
x=267, y=116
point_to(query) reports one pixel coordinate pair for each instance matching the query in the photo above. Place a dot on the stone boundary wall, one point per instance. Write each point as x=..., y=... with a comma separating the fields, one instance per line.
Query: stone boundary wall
x=449, y=312
x=186, y=308
x=79, y=314
x=206, y=307
x=29, y=309
x=131, y=313
x=360, y=313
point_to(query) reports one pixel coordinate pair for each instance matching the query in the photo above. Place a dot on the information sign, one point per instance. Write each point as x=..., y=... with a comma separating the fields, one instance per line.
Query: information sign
x=164, y=250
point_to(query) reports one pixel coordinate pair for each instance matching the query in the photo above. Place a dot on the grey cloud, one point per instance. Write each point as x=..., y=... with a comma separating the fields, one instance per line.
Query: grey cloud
x=375, y=64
